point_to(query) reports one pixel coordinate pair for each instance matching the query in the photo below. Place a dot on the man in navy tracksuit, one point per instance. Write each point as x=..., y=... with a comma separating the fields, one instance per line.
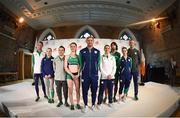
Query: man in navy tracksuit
x=89, y=60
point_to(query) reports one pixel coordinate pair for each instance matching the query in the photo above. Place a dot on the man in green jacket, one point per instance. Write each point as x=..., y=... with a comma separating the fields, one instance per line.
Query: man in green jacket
x=136, y=59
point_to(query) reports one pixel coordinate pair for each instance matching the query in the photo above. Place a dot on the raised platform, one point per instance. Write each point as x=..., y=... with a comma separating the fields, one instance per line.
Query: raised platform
x=155, y=100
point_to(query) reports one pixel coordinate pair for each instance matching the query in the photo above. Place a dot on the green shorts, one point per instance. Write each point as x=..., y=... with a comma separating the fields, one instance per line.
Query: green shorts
x=68, y=76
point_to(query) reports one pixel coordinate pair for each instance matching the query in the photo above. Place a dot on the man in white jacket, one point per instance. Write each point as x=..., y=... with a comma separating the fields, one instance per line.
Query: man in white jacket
x=37, y=57
x=108, y=70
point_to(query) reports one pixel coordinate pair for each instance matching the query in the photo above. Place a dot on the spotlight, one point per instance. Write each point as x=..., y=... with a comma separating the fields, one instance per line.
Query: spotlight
x=21, y=20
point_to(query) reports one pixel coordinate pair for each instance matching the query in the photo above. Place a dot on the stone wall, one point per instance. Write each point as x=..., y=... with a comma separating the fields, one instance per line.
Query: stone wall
x=162, y=43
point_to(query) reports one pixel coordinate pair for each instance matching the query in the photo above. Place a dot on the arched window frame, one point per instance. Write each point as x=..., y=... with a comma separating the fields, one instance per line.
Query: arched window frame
x=46, y=33
x=87, y=28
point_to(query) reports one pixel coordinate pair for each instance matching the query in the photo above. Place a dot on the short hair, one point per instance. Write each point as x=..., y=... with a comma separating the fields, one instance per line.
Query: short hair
x=124, y=48
x=91, y=36
x=49, y=49
x=41, y=42
x=106, y=46
x=114, y=43
x=73, y=43
x=132, y=40
x=62, y=47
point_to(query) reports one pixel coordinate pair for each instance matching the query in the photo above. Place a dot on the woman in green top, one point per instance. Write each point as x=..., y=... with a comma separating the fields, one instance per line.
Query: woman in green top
x=72, y=68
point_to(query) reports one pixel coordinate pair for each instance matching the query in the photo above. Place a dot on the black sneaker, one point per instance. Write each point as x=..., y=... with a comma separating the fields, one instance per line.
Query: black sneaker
x=59, y=104
x=33, y=83
x=37, y=99
x=141, y=84
x=136, y=98
x=66, y=104
x=72, y=107
x=114, y=99
x=46, y=96
x=52, y=100
x=104, y=100
x=49, y=101
x=78, y=106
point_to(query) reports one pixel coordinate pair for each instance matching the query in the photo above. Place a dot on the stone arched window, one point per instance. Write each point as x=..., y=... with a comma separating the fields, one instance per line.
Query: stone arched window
x=126, y=35
x=47, y=35
x=86, y=31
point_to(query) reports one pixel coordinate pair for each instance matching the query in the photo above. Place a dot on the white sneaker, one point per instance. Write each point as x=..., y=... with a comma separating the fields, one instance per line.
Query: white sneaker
x=99, y=106
x=110, y=105
x=85, y=109
x=120, y=97
x=124, y=98
x=93, y=107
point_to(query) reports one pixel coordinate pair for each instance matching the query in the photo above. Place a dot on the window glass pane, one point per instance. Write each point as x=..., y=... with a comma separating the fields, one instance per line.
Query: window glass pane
x=125, y=36
x=49, y=36
x=85, y=34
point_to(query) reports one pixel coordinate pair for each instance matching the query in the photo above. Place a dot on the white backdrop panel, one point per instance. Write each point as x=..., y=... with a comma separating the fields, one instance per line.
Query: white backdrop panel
x=98, y=43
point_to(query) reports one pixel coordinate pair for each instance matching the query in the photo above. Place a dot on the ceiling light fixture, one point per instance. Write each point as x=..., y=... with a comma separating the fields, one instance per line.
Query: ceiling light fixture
x=21, y=20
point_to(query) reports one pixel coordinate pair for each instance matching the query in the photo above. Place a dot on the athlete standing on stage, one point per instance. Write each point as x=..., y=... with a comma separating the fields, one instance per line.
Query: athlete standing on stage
x=125, y=74
x=117, y=55
x=72, y=67
x=136, y=60
x=90, y=60
x=108, y=70
x=60, y=77
x=37, y=57
x=48, y=74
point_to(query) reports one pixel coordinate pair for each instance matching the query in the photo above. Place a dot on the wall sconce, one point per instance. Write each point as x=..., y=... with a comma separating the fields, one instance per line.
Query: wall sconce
x=155, y=24
x=20, y=22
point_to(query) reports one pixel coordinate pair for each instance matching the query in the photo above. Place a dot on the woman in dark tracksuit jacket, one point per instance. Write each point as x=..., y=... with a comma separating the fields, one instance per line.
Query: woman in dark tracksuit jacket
x=48, y=74
x=125, y=74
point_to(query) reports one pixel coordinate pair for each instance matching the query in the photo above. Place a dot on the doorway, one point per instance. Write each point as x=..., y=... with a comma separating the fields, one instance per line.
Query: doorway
x=24, y=64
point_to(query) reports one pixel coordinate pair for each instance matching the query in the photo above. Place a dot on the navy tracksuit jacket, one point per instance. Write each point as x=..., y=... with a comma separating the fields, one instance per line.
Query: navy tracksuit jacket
x=89, y=60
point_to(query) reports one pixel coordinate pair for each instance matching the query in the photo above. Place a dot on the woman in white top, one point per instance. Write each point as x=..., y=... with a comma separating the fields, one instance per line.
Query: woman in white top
x=108, y=70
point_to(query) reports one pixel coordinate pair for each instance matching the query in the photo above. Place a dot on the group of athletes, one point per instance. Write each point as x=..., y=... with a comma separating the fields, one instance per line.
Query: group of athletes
x=82, y=69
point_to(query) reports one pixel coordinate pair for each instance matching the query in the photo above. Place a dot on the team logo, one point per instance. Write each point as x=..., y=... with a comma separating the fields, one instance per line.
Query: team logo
x=84, y=52
x=95, y=52
x=102, y=82
x=128, y=59
x=135, y=53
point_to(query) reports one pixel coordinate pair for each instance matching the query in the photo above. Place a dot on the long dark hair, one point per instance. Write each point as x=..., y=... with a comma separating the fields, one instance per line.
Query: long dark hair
x=114, y=43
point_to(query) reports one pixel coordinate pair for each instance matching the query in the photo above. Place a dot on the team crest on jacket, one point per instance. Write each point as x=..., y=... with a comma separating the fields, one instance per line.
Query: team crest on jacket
x=135, y=53
x=95, y=52
x=128, y=59
x=84, y=52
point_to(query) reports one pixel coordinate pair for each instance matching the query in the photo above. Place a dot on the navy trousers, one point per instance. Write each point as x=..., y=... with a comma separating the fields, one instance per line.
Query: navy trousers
x=103, y=85
x=124, y=84
x=135, y=80
x=36, y=78
x=89, y=82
